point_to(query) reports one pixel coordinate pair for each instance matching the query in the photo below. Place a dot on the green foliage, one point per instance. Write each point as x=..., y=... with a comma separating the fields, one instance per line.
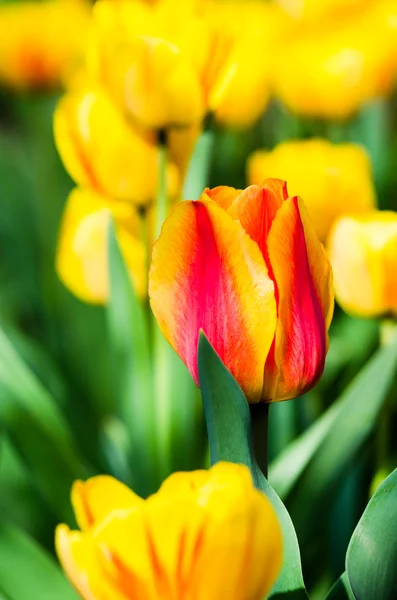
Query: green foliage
x=229, y=433
x=372, y=554
x=27, y=571
x=308, y=468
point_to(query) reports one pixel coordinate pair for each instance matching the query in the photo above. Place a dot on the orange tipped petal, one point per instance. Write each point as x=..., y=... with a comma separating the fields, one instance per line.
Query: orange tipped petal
x=305, y=303
x=222, y=195
x=256, y=207
x=208, y=274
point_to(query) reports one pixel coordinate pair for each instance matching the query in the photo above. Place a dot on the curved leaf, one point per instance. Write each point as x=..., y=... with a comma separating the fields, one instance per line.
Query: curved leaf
x=27, y=571
x=371, y=560
x=229, y=432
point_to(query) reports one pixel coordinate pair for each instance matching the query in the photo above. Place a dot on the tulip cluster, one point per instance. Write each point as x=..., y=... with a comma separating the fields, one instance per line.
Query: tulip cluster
x=204, y=535
x=152, y=74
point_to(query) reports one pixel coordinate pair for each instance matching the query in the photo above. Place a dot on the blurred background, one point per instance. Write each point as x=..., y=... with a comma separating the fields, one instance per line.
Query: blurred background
x=313, y=103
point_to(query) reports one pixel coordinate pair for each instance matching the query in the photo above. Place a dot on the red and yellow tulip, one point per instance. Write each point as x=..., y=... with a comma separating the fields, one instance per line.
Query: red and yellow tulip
x=204, y=535
x=363, y=252
x=247, y=268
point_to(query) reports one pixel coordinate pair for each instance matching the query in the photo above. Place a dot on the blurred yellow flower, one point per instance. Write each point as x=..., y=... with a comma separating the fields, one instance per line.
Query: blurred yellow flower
x=330, y=69
x=334, y=179
x=312, y=10
x=81, y=261
x=363, y=253
x=170, y=63
x=102, y=151
x=40, y=41
x=204, y=535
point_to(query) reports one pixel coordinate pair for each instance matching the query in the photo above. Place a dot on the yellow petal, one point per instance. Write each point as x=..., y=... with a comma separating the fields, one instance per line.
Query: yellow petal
x=95, y=498
x=82, y=262
x=363, y=253
x=102, y=151
x=152, y=81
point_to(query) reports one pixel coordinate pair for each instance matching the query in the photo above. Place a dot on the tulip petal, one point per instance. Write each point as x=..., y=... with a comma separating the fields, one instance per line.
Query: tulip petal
x=305, y=303
x=256, y=207
x=208, y=274
x=82, y=262
x=223, y=195
x=98, y=496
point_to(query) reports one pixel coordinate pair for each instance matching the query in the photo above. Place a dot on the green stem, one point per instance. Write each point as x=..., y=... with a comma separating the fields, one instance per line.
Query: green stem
x=162, y=196
x=199, y=167
x=260, y=433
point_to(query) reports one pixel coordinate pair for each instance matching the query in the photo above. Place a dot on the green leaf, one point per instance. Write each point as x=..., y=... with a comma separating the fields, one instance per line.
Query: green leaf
x=306, y=471
x=129, y=339
x=341, y=590
x=27, y=571
x=371, y=558
x=38, y=430
x=229, y=432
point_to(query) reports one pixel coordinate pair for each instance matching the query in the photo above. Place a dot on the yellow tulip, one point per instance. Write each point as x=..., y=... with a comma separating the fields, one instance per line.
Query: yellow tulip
x=40, y=41
x=204, y=535
x=102, y=151
x=82, y=262
x=334, y=179
x=169, y=63
x=331, y=68
x=363, y=252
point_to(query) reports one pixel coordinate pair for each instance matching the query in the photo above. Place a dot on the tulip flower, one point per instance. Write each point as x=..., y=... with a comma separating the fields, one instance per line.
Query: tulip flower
x=204, y=535
x=102, y=151
x=334, y=179
x=40, y=41
x=363, y=252
x=330, y=69
x=247, y=268
x=82, y=262
x=185, y=63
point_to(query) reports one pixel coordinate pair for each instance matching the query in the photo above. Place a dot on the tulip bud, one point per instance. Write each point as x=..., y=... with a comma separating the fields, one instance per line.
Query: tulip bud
x=196, y=528
x=248, y=269
x=363, y=252
x=334, y=179
x=82, y=255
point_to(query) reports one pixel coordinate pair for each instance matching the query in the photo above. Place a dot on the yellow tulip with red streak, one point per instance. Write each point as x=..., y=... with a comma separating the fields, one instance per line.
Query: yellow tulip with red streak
x=203, y=535
x=363, y=252
x=82, y=252
x=334, y=179
x=247, y=268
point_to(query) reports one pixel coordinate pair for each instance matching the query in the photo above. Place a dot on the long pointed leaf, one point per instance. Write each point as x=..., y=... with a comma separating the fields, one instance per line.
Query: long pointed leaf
x=228, y=423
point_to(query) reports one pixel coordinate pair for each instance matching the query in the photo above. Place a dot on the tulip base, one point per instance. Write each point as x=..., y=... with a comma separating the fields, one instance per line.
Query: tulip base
x=260, y=433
